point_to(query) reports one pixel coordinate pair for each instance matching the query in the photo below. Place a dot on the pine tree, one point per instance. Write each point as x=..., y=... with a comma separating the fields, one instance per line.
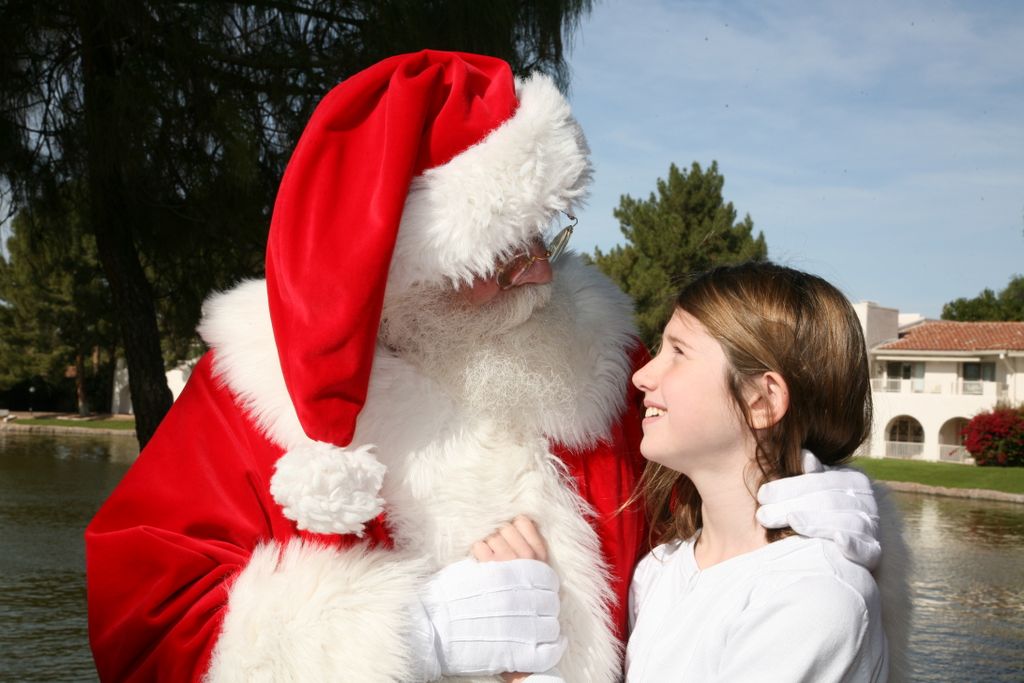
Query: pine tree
x=55, y=314
x=686, y=228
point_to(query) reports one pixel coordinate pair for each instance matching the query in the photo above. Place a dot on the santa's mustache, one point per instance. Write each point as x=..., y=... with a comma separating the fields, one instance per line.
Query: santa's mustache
x=503, y=359
x=419, y=318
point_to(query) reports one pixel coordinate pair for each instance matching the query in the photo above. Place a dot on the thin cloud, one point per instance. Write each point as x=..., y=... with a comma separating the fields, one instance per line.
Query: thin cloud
x=872, y=140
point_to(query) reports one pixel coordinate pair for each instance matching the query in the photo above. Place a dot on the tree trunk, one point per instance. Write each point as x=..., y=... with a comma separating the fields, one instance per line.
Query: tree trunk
x=83, y=401
x=112, y=210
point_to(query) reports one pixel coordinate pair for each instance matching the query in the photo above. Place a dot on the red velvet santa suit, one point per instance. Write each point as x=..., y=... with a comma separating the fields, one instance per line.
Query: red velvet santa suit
x=166, y=550
x=231, y=552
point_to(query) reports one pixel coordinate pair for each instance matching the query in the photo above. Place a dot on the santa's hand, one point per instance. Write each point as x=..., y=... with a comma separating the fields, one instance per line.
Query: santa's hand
x=487, y=618
x=832, y=503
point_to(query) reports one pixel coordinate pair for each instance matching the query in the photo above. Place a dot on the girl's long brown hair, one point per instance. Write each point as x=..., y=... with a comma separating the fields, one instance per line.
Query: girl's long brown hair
x=772, y=318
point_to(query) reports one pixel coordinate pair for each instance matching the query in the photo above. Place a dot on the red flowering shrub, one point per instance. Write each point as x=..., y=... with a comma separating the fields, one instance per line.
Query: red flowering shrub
x=996, y=437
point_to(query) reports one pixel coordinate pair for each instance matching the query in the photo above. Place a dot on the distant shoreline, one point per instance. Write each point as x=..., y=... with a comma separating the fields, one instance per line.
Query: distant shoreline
x=13, y=426
x=976, y=494
x=901, y=486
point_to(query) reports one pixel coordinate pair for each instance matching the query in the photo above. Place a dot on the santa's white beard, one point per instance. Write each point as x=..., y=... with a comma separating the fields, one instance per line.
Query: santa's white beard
x=509, y=360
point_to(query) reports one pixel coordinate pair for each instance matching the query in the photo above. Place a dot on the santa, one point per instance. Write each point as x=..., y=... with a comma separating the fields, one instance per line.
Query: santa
x=423, y=363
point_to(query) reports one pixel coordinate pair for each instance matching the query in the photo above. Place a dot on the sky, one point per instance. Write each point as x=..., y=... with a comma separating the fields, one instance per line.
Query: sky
x=877, y=144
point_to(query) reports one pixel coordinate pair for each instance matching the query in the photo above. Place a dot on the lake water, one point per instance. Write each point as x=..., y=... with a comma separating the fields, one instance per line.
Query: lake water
x=968, y=585
x=49, y=489
x=968, y=582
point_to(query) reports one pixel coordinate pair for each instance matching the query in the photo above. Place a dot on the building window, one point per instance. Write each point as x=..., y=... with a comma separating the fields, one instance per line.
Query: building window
x=897, y=371
x=979, y=372
x=976, y=373
x=906, y=430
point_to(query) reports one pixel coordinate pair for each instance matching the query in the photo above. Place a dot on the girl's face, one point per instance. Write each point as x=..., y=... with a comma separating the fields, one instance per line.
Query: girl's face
x=692, y=424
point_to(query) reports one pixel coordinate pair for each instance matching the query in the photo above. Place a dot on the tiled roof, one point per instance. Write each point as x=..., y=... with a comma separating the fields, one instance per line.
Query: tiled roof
x=953, y=336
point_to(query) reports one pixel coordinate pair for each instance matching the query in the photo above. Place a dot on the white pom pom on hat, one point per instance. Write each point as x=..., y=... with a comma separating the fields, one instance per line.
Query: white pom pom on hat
x=329, y=490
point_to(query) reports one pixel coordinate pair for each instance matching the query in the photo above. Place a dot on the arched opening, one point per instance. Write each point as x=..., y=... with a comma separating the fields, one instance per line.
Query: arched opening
x=904, y=438
x=951, y=440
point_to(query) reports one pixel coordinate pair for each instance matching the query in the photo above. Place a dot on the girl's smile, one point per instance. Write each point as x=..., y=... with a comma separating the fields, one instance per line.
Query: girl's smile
x=652, y=412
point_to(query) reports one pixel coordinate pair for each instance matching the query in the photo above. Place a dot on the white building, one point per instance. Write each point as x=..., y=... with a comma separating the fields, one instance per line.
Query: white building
x=929, y=377
x=121, y=399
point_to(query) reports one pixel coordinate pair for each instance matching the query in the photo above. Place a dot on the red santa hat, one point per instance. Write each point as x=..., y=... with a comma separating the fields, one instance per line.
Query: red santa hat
x=425, y=168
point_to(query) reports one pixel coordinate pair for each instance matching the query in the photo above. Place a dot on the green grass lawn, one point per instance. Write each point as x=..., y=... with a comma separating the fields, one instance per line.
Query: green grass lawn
x=88, y=424
x=951, y=475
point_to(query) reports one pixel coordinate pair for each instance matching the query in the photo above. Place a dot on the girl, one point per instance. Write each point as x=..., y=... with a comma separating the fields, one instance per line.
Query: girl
x=758, y=363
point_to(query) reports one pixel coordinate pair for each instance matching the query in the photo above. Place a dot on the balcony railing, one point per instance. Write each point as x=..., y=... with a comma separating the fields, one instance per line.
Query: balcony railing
x=954, y=453
x=898, y=385
x=903, y=449
x=973, y=387
x=995, y=390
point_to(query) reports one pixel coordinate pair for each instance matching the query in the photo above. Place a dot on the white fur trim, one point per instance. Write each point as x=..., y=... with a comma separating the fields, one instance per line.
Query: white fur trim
x=329, y=490
x=602, y=335
x=496, y=195
x=311, y=613
x=464, y=480
x=236, y=325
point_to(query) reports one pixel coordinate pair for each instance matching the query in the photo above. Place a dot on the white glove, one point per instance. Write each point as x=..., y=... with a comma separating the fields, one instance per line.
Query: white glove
x=825, y=502
x=487, y=618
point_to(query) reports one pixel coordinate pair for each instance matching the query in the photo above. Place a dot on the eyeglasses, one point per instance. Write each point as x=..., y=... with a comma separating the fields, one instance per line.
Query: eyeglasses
x=515, y=269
